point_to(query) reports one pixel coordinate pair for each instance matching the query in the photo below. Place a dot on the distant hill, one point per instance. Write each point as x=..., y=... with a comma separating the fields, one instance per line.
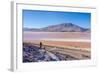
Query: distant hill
x=31, y=29
x=63, y=27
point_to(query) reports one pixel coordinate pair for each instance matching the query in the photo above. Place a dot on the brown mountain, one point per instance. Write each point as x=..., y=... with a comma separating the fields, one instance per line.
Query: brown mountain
x=63, y=27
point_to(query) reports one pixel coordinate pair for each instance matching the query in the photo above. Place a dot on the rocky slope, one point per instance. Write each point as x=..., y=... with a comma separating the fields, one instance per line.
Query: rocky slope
x=33, y=53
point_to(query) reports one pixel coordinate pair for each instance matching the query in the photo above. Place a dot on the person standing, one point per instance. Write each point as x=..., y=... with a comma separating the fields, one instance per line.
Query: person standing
x=41, y=45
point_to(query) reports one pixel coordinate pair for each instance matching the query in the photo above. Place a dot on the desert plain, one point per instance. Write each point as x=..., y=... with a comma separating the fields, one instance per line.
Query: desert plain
x=59, y=45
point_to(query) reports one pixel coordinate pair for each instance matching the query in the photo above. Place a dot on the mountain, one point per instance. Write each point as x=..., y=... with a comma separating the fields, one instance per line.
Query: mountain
x=63, y=27
x=31, y=29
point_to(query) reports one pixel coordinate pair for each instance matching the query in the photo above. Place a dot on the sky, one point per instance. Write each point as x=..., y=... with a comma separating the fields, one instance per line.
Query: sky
x=40, y=19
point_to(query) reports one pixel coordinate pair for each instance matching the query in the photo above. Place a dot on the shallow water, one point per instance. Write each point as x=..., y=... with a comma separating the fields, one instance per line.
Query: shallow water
x=55, y=35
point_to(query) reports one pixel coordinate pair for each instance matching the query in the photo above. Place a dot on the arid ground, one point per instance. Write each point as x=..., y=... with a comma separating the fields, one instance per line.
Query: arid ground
x=56, y=46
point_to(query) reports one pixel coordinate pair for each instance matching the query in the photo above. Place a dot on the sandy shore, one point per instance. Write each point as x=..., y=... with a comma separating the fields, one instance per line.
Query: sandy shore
x=65, y=44
x=68, y=40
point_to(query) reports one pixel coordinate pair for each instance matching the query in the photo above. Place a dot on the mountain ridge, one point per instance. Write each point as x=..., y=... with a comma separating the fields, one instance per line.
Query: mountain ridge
x=63, y=27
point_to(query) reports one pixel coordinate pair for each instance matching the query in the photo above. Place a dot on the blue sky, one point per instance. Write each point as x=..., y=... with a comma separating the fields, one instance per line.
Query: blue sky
x=39, y=19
